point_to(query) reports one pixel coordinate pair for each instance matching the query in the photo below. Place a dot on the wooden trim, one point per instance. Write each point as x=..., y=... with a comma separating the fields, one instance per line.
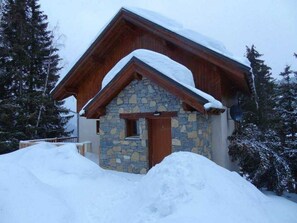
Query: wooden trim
x=150, y=115
x=96, y=108
x=214, y=57
x=215, y=111
x=126, y=75
x=70, y=91
x=125, y=18
x=132, y=127
x=187, y=107
x=149, y=132
x=138, y=76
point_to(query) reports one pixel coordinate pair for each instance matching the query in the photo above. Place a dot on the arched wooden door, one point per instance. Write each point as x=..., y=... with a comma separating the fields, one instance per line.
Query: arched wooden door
x=159, y=133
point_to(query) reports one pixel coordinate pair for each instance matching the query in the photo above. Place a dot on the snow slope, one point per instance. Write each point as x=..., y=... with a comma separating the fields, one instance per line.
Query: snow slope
x=47, y=184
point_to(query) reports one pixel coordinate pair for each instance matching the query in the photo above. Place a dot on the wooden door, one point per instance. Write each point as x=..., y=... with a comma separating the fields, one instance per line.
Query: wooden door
x=159, y=131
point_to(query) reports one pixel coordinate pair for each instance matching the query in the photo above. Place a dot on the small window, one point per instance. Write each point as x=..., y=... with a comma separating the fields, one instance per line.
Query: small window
x=132, y=129
x=98, y=127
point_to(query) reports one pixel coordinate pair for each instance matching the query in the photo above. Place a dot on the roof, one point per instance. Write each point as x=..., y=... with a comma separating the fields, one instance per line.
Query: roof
x=196, y=37
x=169, y=30
x=172, y=76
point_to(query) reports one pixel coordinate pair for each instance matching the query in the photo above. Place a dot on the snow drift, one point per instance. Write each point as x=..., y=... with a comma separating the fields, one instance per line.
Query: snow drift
x=44, y=183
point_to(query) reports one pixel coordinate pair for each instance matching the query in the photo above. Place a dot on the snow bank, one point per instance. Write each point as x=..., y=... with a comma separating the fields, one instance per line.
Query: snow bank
x=188, y=186
x=49, y=184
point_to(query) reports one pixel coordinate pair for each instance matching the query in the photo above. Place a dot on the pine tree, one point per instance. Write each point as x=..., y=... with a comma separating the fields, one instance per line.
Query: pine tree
x=30, y=66
x=286, y=107
x=259, y=159
x=260, y=144
x=259, y=110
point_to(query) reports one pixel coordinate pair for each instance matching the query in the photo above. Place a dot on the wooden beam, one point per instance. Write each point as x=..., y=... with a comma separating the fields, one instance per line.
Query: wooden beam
x=137, y=76
x=147, y=115
x=197, y=49
x=96, y=59
x=187, y=107
x=71, y=90
x=171, y=46
x=130, y=26
x=215, y=111
x=127, y=74
x=101, y=112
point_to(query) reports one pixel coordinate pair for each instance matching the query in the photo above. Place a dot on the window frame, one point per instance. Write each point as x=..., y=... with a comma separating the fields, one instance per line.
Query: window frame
x=132, y=128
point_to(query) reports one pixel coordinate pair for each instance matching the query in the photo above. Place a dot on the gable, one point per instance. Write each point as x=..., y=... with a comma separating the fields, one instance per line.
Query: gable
x=158, y=68
x=138, y=101
x=129, y=31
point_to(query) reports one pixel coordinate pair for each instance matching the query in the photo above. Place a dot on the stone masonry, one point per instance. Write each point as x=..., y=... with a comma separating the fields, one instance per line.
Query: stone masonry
x=190, y=130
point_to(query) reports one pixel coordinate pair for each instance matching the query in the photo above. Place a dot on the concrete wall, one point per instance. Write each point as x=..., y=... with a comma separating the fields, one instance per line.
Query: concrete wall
x=87, y=132
x=222, y=127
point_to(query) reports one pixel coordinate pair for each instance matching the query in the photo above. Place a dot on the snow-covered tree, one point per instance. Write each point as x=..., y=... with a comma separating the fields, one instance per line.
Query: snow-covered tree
x=260, y=159
x=29, y=70
x=286, y=107
x=259, y=109
x=264, y=146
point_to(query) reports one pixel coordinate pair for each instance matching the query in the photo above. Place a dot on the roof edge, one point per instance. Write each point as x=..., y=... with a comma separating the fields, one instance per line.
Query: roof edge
x=105, y=29
x=140, y=64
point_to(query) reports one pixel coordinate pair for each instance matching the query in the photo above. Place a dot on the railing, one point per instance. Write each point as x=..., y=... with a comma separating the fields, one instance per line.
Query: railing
x=82, y=147
x=64, y=139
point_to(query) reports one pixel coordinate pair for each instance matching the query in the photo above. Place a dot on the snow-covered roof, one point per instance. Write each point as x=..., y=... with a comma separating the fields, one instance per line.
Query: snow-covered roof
x=166, y=66
x=136, y=16
x=179, y=29
x=192, y=35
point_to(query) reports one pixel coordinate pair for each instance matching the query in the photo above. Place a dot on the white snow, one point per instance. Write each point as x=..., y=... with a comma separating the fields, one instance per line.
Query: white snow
x=44, y=183
x=194, y=36
x=175, y=71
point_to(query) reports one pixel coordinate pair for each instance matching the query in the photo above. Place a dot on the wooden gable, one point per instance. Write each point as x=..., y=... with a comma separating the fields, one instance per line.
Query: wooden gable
x=213, y=73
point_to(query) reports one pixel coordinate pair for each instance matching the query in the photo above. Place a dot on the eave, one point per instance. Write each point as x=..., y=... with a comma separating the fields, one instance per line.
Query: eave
x=125, y=19
x=136, y=69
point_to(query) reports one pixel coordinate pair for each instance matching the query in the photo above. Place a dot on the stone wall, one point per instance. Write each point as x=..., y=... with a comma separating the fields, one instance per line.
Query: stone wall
x=190, y=130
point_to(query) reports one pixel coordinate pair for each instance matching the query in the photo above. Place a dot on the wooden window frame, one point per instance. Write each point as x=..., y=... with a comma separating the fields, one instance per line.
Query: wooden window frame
x=132, y=128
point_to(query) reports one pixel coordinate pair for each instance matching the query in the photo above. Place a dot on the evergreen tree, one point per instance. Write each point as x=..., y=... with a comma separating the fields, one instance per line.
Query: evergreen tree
x=286, y=107
x=260, y=145
x=259, y=110
x=259, y=158
x=30, y=66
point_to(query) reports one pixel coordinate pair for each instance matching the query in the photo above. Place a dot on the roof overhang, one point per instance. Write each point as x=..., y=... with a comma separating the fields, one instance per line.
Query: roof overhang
x=136, y=69
x=126, y=19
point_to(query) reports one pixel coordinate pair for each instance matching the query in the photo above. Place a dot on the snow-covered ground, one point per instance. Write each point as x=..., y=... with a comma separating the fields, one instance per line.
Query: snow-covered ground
x=50, y=184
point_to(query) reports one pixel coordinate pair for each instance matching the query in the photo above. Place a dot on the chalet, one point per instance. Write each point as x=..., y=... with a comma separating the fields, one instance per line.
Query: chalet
x=147, y=87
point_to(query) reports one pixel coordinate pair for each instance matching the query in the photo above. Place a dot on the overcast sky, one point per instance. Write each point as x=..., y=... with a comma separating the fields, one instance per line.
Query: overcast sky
x=271, y=25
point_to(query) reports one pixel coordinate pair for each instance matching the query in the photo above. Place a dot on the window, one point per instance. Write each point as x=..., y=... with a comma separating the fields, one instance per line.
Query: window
x=98, y=127
x=132, y=128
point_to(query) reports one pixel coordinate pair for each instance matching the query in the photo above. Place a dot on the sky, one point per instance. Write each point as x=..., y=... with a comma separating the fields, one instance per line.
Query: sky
x=271, y=25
